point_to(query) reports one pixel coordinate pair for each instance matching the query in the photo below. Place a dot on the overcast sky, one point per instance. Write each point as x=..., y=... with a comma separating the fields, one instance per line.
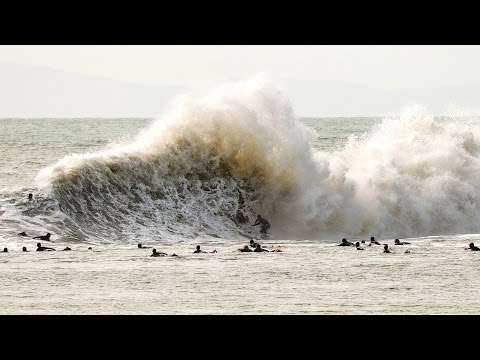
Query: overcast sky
x=59, y=81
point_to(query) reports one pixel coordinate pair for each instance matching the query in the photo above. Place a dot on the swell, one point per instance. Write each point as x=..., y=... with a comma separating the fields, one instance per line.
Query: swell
x=209, y=166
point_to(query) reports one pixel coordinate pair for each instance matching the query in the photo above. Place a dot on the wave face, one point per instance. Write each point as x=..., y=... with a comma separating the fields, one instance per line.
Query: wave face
x=205, y=168
x=209, y=166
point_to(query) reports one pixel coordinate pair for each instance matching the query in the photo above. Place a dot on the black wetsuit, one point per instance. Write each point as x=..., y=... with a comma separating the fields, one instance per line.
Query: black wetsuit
x=158, y=254
x=259, y=249
x=43, y=248
x=43, y=237
x=245, y=250
x=264, y=224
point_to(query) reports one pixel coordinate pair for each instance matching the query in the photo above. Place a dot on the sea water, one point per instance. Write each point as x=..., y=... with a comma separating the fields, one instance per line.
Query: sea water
x=201, y=172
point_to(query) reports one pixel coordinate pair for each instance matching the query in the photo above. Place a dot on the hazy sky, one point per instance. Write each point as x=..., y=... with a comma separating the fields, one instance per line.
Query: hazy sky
x=318, y=78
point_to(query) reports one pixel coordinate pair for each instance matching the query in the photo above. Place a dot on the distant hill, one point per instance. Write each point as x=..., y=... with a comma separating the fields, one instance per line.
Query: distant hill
x=42, y=92
x=27, y=91
x=336, y=98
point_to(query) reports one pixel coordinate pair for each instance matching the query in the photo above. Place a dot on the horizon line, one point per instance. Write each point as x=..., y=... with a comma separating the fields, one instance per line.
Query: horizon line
x=153, y=118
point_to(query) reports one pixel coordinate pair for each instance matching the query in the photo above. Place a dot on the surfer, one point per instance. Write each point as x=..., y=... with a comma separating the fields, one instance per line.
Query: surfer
x=386, y=249
x=156, y=253
x=23, y=233
x=198, y=251
x=345, y=242
x=24, y=249
x=357, y=245
x=472, y=247
x=253, y=244
x=44, y=248
x=67, y=249
x=5, y=250
x=398, y=242
x=259, y=249
x=264, y=224
x=140, y=246
x=30, y=197
x=44, y=237
x=373, y=241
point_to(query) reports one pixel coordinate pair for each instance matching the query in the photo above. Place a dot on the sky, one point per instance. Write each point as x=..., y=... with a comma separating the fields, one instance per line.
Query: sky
x=140, y=81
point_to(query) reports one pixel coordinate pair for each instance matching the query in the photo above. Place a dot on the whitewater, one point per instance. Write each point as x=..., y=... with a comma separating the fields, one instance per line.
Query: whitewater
x=202, y=171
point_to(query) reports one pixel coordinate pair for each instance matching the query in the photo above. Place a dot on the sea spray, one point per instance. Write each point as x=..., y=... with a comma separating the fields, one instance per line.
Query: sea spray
x=205, y=168
x=209, y=166
x=414, y=176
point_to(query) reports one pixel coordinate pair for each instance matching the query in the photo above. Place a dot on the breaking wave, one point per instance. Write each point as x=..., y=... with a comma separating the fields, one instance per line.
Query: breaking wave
x=209, y=166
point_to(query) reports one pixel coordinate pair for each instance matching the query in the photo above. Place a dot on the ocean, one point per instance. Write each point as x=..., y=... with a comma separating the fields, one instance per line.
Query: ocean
x=200, y=173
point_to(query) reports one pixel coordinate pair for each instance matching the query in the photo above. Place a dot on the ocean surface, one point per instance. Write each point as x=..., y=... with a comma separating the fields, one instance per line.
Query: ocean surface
x=200, y=173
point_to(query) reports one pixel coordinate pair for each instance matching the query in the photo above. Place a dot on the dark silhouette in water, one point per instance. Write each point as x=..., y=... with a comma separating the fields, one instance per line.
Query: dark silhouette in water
x=264, y=224
x=198, y=251
x=398, y=242
x=386, y=249
x=5, y=250
x=89, y=248
x=140, y=246
x=156, y=253
x=357, y=245
x=43, y=237
x=44, y=248
x=259, y=249
x=373, y=241
x=23, y=233
x=472, y=247
x=30, y=197
x=24, y=249
x=67, y=249
x=253, y=244
x=345, y=242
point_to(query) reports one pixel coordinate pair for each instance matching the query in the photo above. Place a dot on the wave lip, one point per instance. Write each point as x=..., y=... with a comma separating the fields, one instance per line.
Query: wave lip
x=210, y=165
x=206, y=167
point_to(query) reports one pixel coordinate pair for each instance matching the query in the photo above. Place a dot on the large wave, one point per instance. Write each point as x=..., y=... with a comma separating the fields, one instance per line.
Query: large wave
x=210, y=165
x=413, y=176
